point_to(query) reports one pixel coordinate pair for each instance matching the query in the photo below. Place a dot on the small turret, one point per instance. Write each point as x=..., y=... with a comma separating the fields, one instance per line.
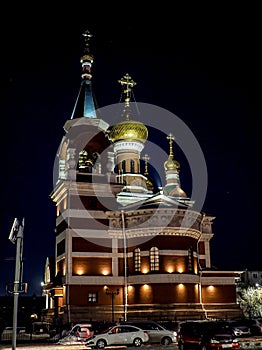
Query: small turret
x=172, y=167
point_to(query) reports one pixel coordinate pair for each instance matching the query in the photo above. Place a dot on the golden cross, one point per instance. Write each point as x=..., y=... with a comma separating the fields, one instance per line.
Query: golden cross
x=87, y=36
x=129, y=83
x=171, y=138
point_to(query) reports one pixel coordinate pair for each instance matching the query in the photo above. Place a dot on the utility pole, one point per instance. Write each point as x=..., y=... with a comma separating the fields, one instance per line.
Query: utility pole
x=16, y=237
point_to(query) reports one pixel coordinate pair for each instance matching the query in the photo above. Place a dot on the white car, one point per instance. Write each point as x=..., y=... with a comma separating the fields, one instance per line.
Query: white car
x=118, y=335
x=156, y=333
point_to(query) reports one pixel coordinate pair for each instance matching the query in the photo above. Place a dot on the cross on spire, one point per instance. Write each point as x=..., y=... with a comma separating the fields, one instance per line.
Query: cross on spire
x=87, y=36
x=128, y=83
x=171, y=138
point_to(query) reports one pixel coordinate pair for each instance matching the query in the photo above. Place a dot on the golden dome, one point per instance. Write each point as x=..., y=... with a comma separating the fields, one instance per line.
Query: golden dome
x=171, y=164
x=174, y=191
x=128, y=130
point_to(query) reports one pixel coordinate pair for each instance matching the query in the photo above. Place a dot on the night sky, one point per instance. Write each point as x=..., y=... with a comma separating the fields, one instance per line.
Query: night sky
x=203, y=65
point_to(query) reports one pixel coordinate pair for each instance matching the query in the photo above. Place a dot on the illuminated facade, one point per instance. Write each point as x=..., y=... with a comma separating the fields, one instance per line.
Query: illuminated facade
x=116, y=232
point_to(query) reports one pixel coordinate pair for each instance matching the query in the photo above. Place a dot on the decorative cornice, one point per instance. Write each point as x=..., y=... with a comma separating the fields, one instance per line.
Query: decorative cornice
x=155, y=231
x=98, y=123
x=128, y=145
x=77, y=188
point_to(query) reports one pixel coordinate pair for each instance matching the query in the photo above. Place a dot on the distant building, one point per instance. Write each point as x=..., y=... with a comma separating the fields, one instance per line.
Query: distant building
x=125, y=248
x=250, y=278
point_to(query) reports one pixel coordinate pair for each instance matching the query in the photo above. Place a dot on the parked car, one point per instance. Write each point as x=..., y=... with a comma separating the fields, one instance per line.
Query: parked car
x=240, y=328
x=7, y=333
x=206, y=335
x=39, y=330
x=156, y=333
x=170, y=325
x=82, y=330
x=118, y=335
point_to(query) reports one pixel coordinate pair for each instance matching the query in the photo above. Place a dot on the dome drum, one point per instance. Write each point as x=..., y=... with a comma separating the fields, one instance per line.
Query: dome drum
x=128, y=145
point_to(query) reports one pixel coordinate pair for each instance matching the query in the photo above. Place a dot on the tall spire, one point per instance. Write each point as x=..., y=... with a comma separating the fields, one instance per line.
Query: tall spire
x=171, y=138
x=85, y=104
x=87, y=58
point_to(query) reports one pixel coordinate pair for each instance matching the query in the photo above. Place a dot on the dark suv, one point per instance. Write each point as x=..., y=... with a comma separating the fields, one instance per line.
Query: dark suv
x=206, y=335
x=156, y=333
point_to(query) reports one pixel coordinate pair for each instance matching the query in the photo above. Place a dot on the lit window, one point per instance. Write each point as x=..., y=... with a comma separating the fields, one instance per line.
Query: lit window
x=85, y=163
x=137, y=260
x=92, y=297
x=82, y=160
x=154, y=259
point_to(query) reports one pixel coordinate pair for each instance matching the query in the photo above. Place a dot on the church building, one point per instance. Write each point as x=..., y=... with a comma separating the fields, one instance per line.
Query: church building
x=125, y=248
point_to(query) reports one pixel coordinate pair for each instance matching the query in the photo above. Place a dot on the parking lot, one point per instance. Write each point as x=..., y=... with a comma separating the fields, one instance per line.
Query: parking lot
x=80, y=347
x=45, y=347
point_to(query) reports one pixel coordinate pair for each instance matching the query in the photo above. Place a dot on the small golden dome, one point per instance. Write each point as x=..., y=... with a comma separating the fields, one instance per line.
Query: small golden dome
x=174, y=191
x=128, y=130
x=171, y=164
x=177, y=192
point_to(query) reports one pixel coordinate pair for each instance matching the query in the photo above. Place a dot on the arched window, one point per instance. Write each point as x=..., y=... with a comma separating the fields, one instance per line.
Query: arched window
x=137, y=260
x=132, y=166
x=123, y=166
x=154, y=259
x=82, y=161
x=85, y=163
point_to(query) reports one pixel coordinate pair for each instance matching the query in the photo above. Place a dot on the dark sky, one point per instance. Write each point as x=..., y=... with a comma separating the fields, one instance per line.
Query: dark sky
x=202, y=64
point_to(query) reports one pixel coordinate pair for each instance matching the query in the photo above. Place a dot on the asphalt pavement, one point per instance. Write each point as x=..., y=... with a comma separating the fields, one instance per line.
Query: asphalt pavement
x=56, y=346
x=44, y=347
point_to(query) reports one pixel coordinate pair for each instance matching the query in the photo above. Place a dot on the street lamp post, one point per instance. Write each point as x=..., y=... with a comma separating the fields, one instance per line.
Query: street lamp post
x=16, y=237
x=112, y=293
x=125, y=264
